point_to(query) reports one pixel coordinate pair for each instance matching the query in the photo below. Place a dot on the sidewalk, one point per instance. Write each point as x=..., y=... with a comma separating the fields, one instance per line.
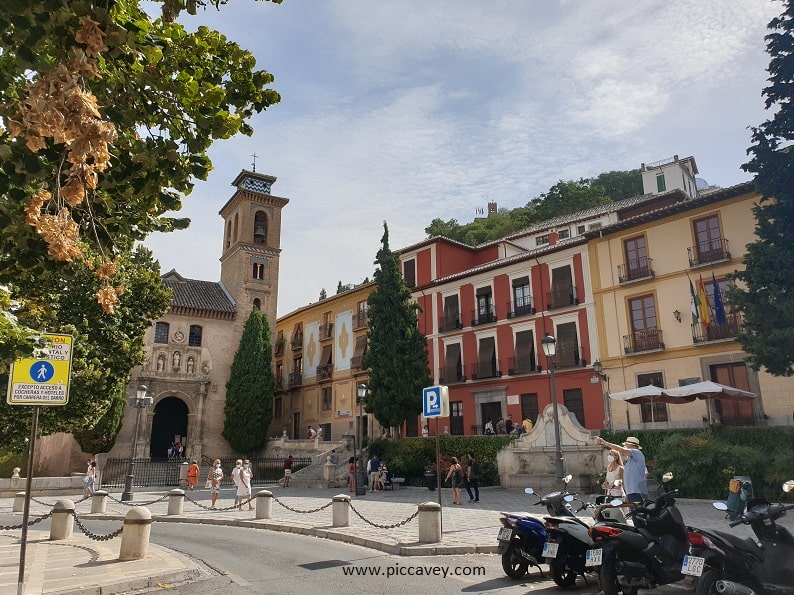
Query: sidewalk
x=82, y=565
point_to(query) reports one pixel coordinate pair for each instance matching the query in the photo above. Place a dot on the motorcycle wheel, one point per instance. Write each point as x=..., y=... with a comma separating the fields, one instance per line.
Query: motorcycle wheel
x=513, y=564
x=563, y=576
x=609, y=580
x=706, y=583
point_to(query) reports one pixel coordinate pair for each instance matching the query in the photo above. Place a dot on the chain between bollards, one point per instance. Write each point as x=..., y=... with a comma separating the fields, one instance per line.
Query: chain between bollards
x=394, y=526
x=94, y=536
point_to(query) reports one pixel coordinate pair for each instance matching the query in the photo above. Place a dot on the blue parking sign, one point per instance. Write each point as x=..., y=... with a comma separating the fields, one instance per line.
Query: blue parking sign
x=431, y=401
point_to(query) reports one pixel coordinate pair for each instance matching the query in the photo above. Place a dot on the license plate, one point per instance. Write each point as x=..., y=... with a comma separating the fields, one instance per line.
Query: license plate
x=693, y=565
x=593, y=557
x=505, y=534
x=550, y=549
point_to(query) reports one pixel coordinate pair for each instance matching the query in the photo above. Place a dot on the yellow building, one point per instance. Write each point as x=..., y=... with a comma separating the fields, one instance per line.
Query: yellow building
x=659, y=283
x=317, y=354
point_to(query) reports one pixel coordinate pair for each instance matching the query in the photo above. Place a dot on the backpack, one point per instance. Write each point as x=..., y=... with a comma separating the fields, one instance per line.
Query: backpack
x=475, y=470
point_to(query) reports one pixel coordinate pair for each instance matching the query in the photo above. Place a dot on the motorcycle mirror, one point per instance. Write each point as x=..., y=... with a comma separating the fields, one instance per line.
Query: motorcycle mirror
x=667, y=476
x=720, y=505
x=529, y=491
x=788, y=486
x=616, y=502
x=568, y=498
x=567, y=479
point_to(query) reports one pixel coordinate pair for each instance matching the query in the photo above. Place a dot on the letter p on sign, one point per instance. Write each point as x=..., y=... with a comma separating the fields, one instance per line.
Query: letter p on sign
x=435, y=401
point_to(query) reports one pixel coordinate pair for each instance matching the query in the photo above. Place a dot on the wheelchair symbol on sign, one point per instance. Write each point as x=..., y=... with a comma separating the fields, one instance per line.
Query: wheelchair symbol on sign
x=42, y=371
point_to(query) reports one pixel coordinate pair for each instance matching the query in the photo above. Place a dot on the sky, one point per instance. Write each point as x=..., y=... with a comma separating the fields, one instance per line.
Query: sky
x=405, y=112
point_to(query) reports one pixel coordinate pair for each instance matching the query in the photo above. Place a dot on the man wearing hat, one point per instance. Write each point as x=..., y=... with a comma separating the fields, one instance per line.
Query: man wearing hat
x=633, y=468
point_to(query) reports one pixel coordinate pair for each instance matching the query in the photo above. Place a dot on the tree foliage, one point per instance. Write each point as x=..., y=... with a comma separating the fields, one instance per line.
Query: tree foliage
x=563, y=198
x=397, y=352
x=105, y=348
x=107, y=116
x=249, y=392
x=766, y=296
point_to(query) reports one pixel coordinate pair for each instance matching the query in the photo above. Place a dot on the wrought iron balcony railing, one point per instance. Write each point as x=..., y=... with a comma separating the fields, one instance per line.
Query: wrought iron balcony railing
x=713, y=331
x=708, y=252
x=649, y=339
x=641, y=268
x=522, y=307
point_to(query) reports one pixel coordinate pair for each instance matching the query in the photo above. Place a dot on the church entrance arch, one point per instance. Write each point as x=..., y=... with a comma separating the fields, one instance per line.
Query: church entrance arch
x=168, y=425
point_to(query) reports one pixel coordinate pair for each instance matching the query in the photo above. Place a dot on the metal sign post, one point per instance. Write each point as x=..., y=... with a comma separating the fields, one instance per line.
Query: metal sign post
x=435, y=403
x=39, y=381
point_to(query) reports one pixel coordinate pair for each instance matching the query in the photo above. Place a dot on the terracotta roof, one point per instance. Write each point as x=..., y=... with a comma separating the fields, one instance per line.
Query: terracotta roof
x=198, y=295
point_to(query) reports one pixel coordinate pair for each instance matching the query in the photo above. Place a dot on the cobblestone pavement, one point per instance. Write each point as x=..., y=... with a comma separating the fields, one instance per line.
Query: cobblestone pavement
x=378, y=520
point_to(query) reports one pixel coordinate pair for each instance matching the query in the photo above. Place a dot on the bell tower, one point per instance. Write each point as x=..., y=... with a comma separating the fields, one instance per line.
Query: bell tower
x=252, y=245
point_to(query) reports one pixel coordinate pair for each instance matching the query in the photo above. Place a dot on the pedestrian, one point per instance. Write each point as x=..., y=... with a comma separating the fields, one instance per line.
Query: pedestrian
x=383, y=476
x=509, y=424
x=501, y=428
x=527, y=425
x=456, y=475
x=613, y=474
x=425, y=432
x=473, y=478
x=633, y=468
x=334, y=457
x=90, y=479
x=372, y=466
x=214, y=478
x=310, y=433
x=351, y=474
x=244, y=477
x=193, y=473
x=489, y=431
x=287, y=470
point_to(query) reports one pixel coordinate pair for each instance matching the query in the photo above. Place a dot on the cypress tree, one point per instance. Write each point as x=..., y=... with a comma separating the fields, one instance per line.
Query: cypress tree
x=249, y=392
x=397, y=351
x=767, y=298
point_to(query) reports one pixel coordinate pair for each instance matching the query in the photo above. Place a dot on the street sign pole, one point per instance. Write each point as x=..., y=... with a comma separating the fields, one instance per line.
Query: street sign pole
x=34, y=429
x=435, y=403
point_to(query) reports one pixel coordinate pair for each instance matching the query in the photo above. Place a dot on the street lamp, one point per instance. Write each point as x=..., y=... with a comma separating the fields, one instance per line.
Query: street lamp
x=549, y=345
x=598, y=368
x=139, y=401
x=361, y=476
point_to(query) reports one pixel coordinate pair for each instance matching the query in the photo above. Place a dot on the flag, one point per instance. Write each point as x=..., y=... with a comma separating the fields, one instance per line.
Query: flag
x=703, y=307
x=693, y=303
x=719, y=307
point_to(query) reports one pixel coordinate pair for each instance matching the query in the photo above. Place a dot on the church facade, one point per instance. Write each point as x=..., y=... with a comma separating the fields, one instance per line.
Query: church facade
x=190, y=349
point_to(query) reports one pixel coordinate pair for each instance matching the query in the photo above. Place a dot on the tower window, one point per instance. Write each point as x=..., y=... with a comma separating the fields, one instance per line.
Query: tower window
x=661, y=186
x=257, y=304
x=259, y=270
x=260, y=228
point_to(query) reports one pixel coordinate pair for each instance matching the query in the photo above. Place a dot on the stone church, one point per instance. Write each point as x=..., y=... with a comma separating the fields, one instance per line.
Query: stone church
x=189, y=351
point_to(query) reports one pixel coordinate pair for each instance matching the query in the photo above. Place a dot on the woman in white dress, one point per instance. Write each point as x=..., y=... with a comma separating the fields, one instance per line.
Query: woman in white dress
x=614, y=473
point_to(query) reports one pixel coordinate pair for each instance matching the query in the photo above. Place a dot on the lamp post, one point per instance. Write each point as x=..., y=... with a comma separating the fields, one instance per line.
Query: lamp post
x=361, y=476
x=139, y=401
x=549, y=345
x=598, y=368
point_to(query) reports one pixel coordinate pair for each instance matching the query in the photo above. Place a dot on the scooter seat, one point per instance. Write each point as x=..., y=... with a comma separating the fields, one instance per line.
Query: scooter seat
x=745, y=544
x=522, y=515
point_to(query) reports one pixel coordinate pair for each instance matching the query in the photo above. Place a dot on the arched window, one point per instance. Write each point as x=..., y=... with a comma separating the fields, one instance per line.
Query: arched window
x=228, y=233
x=161, y=332
x=260, y=228
x=257, y=304
x=194, y=338
x=236, y=221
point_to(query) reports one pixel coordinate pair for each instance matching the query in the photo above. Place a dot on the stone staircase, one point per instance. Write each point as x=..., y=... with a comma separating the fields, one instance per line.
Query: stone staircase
x=321, y=474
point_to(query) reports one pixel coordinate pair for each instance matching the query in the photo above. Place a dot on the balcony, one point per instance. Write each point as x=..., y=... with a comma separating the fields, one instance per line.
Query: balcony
x=561, y=298
x=522, y=307
x=525, y=364
x=713, y=331
x=360, y=320
x=279, y=346
x=325, y=372
x=634, y=270
x=449, y=322
x=451, y=375
x=639, y=341
x=295, y=379
x=485, y=369
x=708, y=252
x=483, y=316
x=278, y=383
x=568, y=358
x=355, y=362
x=326, y=331
x=297, y=343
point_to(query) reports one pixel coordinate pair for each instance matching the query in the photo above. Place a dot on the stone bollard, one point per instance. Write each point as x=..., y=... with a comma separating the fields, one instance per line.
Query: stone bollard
x=329, y=470
x=62, y=524
x=99, y=501
x=183, y=474
x=429, y=522
x=341, y=510
x=135, y=534
x=264, y=504
x=19, y=502
x=176, y=501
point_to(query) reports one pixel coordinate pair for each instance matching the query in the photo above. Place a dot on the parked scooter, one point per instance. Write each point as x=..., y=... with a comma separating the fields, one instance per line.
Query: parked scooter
x=645, y=555
x=731, y=564
x=523, y=535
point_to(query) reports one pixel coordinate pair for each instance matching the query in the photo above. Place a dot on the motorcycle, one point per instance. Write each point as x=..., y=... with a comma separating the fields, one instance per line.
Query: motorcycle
x=523, y=535
x=726, y=563
x=643, y=556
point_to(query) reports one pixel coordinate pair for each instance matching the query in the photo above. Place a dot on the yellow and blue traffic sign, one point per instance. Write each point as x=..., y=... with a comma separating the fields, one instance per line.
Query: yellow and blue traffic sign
x=43, y=381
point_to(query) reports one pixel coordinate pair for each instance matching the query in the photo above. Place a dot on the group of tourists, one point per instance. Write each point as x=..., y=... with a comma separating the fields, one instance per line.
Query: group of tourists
x=507, y=426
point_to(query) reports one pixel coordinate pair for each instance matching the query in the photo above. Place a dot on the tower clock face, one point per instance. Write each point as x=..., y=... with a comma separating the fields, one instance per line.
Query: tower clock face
x=256, y=185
